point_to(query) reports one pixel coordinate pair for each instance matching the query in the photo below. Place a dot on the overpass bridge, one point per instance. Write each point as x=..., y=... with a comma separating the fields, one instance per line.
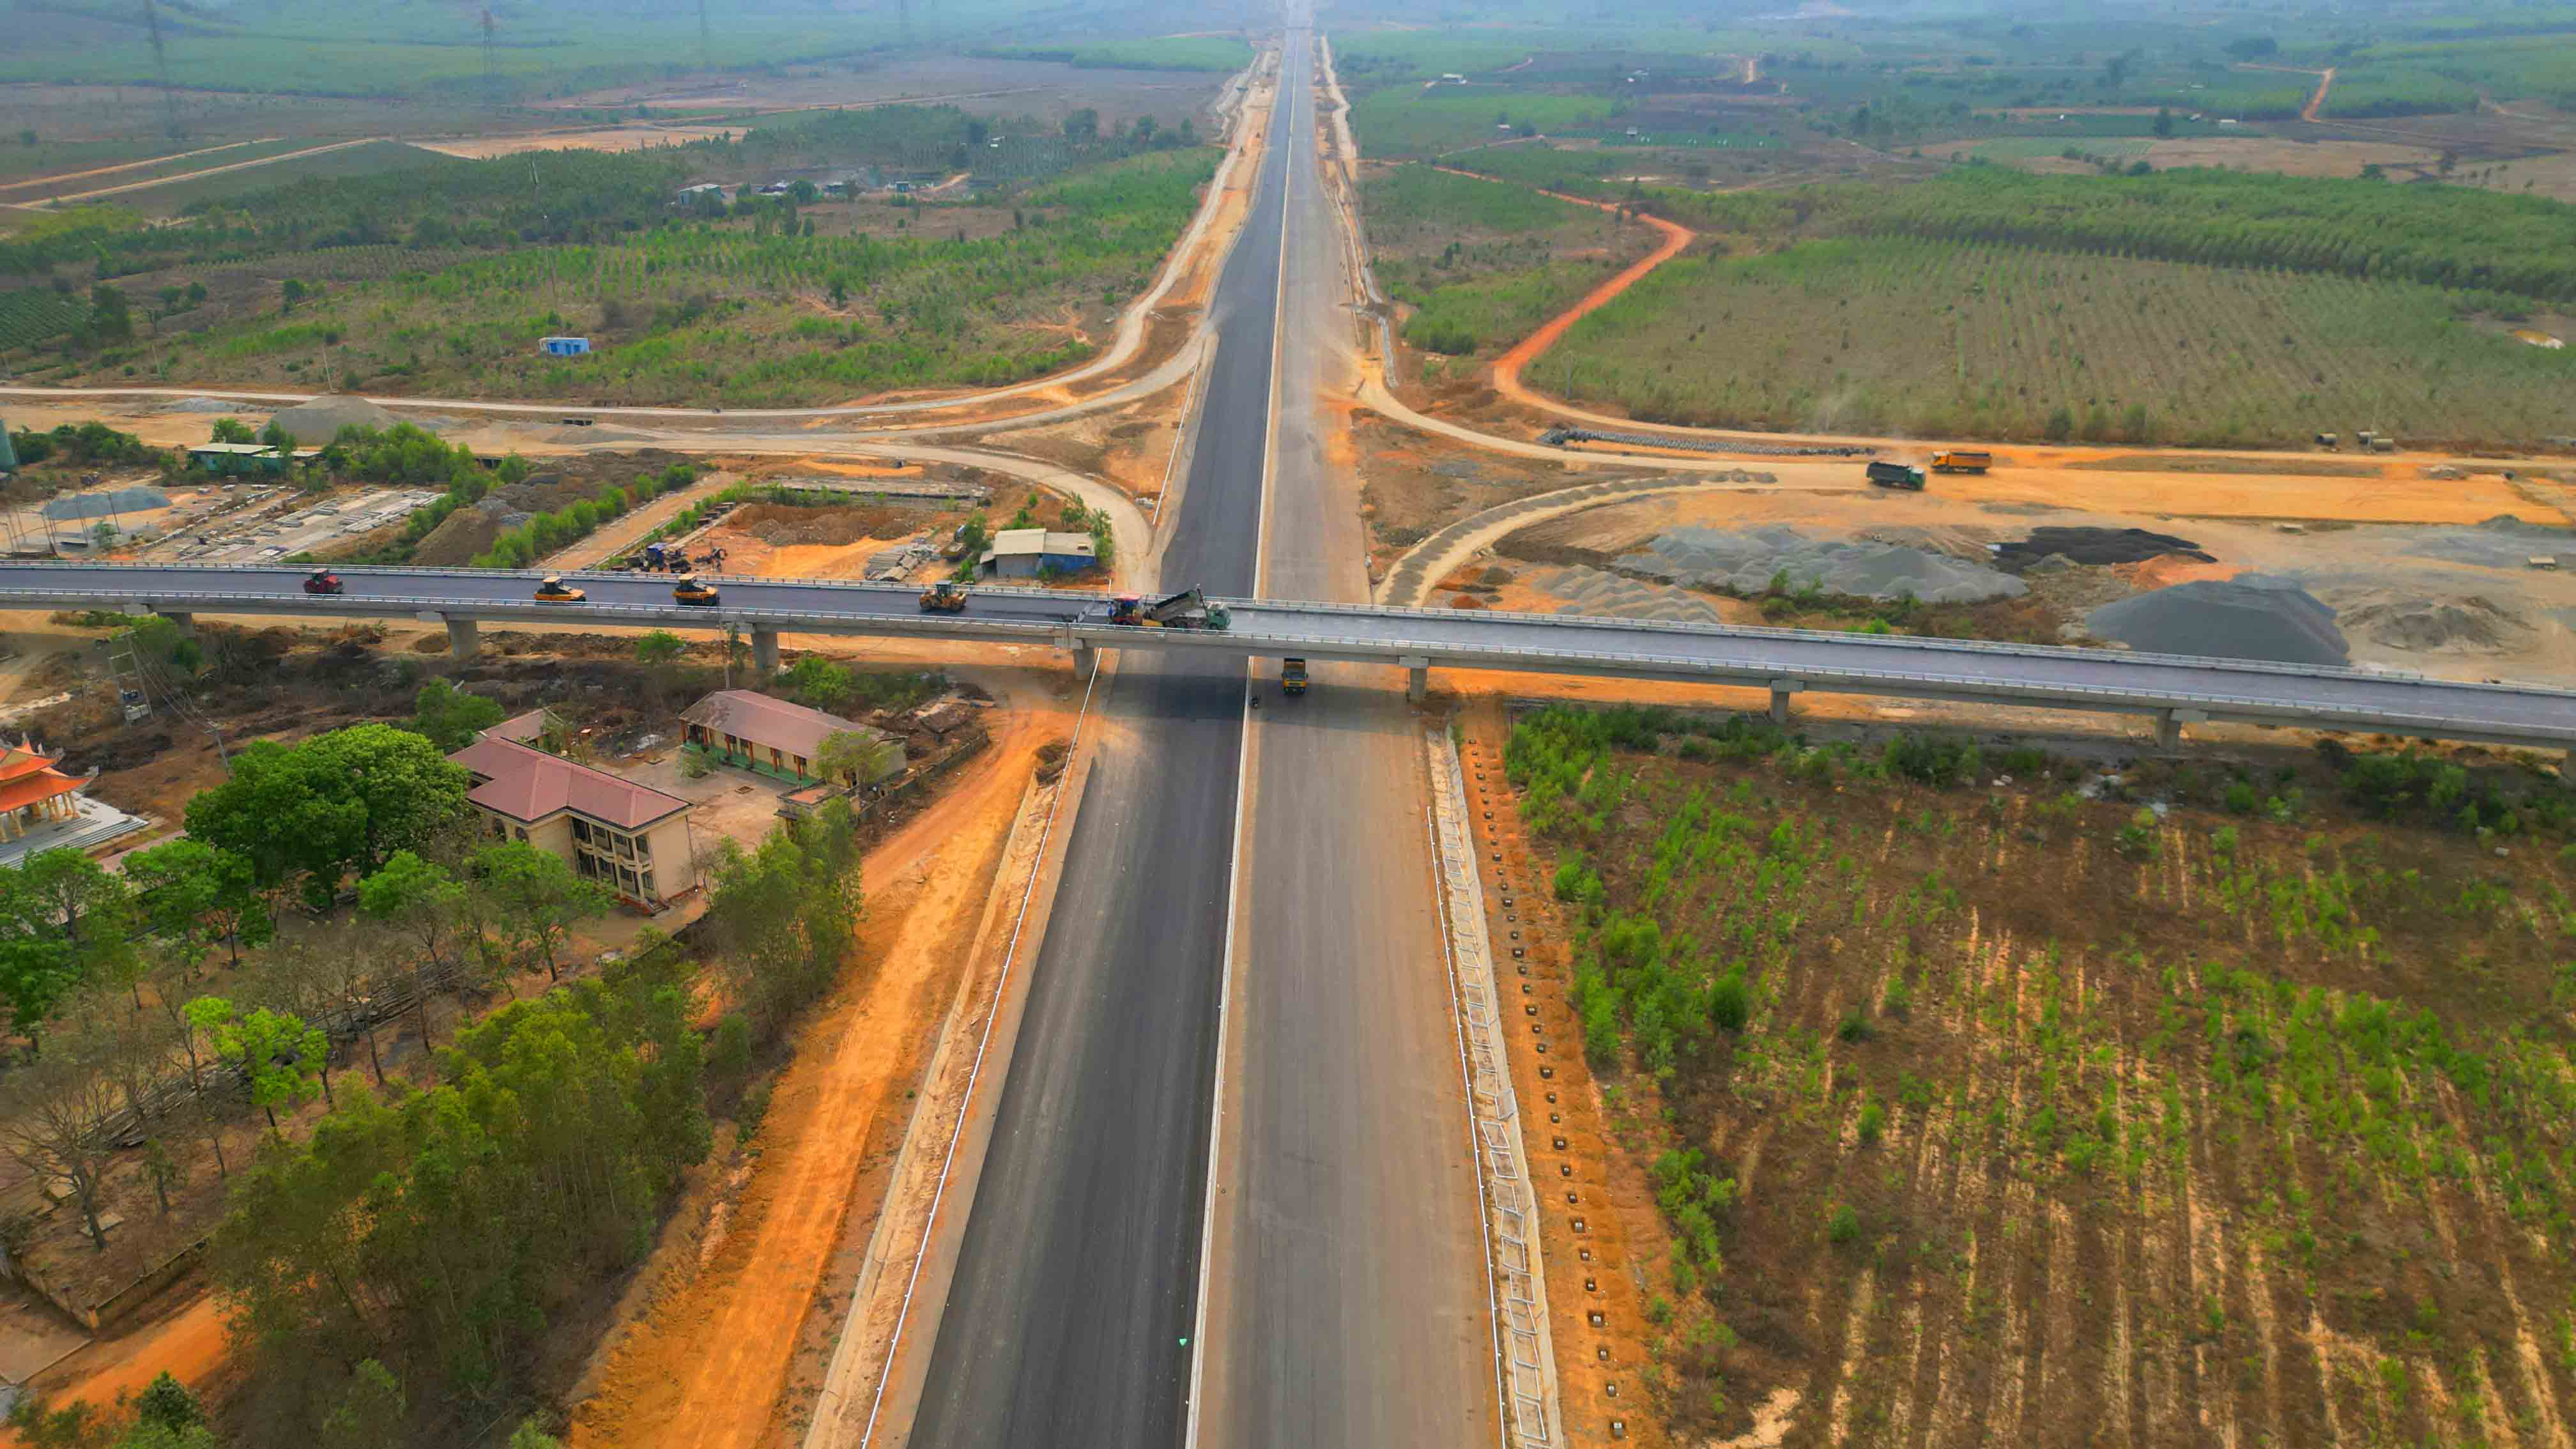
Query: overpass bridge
x=2172, y=690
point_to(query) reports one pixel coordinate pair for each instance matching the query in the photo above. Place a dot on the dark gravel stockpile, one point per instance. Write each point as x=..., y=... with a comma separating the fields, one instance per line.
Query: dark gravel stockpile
x=2094, y=546
x=2252, y=616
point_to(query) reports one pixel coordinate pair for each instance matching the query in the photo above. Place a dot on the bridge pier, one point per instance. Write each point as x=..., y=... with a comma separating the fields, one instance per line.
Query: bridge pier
x=764, y=649
x=2169, y=725
x=1781, y=689
x=1417, y=679
x=464, y=636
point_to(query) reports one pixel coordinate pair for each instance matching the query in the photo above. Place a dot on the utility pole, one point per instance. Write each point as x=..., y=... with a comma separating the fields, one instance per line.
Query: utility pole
x=161, y=64
x=903, y=16
x=705, y=51
x=491, y=84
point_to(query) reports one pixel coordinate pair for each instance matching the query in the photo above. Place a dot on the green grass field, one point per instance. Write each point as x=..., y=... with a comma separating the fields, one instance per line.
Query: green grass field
x=1942, y=338
x=1407, y=120
x=370, y=159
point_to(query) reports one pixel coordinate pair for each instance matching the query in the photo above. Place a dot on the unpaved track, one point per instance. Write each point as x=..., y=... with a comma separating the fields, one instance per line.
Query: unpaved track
x=1507, y=368
x=60, y=177
x=2317, y=103
x=706, y=1369
x=211, y=171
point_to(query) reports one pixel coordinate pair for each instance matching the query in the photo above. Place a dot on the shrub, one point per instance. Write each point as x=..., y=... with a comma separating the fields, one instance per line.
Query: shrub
x=1730, y=1001
x=1855, y=1026
x=2242, y=798
x=1932, y=759
x=1843, y=1224
x=1872, y=1124
x=2138, y=838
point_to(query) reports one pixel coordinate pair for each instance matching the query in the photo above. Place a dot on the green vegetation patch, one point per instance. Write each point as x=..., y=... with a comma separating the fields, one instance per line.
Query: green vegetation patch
x=1171, y=52
x=1979, y=1037
x=1944, y=338
x=1483, y=263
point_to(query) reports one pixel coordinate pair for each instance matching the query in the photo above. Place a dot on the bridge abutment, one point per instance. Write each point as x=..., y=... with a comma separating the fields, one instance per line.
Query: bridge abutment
x=464, y=637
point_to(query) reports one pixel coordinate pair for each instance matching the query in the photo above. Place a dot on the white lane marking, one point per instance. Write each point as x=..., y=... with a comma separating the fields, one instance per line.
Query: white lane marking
x=1242, y=770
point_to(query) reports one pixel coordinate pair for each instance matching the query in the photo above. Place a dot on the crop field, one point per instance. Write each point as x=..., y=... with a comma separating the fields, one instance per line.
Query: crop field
x=1991, y=1113
x=1483, y=263
x=746, y=318
x=1171, y=52
x=29, y=316
x=1403, y=121
x=1935, y=338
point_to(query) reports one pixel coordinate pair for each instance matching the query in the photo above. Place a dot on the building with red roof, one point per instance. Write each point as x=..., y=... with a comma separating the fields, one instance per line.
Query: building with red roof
x=632, y=838
x=33, y=793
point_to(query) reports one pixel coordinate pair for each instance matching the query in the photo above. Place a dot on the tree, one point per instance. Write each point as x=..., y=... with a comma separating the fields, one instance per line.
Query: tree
x=342, y=801
x=63, y=921
x=282, y=1057
x=290, y=292
x=423, y=902
x=166, y=1402
x=2164, y=121
x=110, y=318
x=450, y=717
x=860, y=758
x=370, y=1412
x=1082, y=125
x=529, y=1435
x=540, y=898
x=279, y=438
x=164, y=1172
x=818, y=683
x=57, y=1120
x=194, y=892
x=233, y=430
x=659, y=651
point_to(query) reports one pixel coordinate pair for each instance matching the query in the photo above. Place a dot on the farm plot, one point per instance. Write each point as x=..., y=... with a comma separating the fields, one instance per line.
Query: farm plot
x=1996, y=1114
x=1411, y=121
x=30, y=316
x=1483, y=263
x=1938, y=338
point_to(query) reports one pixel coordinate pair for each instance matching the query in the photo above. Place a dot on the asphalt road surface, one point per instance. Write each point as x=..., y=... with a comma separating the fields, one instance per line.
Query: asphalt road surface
x=1066, y=1323
x=1348, y=1303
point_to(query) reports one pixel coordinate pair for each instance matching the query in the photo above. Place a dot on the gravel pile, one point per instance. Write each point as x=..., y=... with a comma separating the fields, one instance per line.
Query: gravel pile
x=1603, y=594
x=2498, y=543
x=1746, y=562
x=205, y=405
x=2462, y=625
x=141, y=498
x=2251, y=616
x=2095, y=546
x=321, y=420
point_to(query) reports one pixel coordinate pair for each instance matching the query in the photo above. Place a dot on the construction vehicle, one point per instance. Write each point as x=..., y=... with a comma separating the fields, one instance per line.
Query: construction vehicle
x=553, y=590
x=2329, y=440
x=1292, y=676
x=696, y=592
x=1962, y=460
x=323, y=581
x=943, y=597
x=1188, y=609
x=1896, y=475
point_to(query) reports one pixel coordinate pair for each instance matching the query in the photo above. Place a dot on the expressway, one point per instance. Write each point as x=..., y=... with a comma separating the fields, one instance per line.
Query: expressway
x=2178, y=689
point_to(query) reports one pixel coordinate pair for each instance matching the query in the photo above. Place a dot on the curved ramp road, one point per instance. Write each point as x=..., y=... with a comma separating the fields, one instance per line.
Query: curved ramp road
x=1786, y=660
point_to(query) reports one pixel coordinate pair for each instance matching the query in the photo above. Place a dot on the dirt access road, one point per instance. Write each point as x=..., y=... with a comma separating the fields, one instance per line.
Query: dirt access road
x=1507, y=368
x=709, y=1364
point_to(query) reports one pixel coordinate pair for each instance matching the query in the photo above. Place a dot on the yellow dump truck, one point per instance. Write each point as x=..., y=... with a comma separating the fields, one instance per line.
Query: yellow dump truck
x=1962, y=460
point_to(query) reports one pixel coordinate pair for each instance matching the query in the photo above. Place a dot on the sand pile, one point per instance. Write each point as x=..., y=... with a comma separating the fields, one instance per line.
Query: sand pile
x=2251, y=616
x=319, y=421
x=2095, y=546
x=1748, y=561
x=1600, y=593
x=2460, y=625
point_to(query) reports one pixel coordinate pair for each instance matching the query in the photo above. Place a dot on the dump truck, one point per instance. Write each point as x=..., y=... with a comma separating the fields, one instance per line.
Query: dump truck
x=943, y=597
x=1962, y=460
x=1896, y=475
x=1292, y=676
x=1188, y=609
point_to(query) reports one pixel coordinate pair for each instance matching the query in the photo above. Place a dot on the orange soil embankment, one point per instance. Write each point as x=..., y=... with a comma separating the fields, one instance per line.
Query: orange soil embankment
x=188, y=1343
x=707, y=1366
x=1507, y=368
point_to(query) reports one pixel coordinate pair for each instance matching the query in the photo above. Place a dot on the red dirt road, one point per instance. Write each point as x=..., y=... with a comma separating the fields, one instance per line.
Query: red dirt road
x=1507, y=368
